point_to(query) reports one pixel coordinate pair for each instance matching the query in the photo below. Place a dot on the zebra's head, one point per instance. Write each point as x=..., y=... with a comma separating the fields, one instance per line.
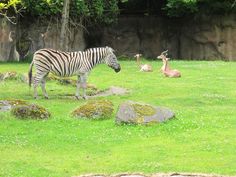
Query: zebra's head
x=111, y=60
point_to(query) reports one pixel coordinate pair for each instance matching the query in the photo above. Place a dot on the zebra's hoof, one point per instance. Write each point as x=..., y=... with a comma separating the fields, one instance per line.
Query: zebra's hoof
x=46, y=97
x=78, y=97
x=85, y=97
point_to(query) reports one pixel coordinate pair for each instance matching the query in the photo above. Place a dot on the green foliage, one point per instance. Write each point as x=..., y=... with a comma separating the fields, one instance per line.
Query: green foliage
x=104, y=11
x=217, y=6
x=6, y=4
x=96, y=11
x=43, y=7
x=180, y=8
x=10, y=6
x=177, y=8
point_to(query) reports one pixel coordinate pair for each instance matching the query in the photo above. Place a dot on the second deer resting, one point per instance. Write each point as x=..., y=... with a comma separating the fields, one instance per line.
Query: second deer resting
x=165, y=69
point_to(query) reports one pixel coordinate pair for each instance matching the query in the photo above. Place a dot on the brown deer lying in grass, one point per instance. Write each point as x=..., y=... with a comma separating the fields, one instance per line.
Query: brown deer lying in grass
x=165, y=69
x=145, y=67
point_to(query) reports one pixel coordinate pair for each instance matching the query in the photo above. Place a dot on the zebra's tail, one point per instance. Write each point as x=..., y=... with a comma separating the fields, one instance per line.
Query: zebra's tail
x=30, y=73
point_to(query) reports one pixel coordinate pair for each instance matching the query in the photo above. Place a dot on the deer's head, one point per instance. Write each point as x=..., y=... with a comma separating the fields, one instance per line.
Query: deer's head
x=137, y=55
x=163, y=55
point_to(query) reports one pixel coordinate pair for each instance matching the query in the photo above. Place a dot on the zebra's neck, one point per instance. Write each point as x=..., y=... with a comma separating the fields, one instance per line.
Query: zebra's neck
x=93, y=57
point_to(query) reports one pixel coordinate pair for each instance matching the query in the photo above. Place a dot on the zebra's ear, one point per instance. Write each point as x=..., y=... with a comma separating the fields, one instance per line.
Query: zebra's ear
x=110, y=49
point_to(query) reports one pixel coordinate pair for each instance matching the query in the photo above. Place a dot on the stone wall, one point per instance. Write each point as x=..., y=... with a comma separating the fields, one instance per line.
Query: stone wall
x=199, y=38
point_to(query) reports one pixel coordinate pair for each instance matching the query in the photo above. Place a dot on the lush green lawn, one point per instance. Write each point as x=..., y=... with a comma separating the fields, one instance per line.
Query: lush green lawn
x=202, y=137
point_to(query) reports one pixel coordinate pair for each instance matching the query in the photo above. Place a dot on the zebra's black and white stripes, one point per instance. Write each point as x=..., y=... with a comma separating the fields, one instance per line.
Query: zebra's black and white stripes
x=66, y=64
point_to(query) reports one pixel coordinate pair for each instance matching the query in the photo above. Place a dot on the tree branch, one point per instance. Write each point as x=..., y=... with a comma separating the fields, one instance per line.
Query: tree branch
x=9, y=18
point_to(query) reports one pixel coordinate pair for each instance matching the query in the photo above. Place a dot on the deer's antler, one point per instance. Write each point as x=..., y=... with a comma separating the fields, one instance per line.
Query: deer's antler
x=165, y=53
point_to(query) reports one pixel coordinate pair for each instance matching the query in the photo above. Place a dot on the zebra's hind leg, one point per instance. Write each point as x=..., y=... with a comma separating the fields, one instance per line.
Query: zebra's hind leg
x=43, y=82
x=36, y=83
x=38, y=78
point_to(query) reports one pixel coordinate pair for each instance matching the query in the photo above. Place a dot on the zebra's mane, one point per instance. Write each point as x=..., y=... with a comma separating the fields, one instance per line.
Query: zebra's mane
x=106, y=48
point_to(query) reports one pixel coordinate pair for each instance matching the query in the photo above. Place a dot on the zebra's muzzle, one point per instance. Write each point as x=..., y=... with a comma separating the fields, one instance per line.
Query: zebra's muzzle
x=117, y=69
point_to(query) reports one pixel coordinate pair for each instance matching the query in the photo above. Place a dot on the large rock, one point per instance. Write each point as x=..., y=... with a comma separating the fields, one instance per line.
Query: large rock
x=96, y=109
x=139, y=113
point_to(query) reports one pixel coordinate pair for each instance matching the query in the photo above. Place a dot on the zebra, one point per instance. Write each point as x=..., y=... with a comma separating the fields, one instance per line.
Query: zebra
x=66, y=64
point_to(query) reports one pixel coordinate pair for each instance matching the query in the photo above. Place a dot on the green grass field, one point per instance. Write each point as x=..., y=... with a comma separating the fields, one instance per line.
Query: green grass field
x=201, y=139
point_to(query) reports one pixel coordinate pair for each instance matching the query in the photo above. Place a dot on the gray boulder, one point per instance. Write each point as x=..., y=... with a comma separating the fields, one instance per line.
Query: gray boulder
x=140, y=113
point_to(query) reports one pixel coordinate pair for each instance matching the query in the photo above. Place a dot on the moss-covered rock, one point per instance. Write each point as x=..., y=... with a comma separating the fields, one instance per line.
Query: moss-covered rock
x=96, y=109
x=30, y=111
x=139, y=113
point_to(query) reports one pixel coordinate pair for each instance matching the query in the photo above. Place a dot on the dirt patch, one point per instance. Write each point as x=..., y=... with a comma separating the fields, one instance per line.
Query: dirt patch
x=113, y=90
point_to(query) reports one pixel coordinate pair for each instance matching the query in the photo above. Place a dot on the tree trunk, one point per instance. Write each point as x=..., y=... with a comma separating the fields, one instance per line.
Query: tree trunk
x=64, y=26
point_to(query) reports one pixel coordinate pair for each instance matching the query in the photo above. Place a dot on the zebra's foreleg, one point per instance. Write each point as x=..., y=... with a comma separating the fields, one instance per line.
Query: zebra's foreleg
x=78, y=83
x=43, y=82
x=83, y=82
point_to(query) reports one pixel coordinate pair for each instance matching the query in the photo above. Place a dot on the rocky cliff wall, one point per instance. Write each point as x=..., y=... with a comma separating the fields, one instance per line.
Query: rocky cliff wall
x=198, y=38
